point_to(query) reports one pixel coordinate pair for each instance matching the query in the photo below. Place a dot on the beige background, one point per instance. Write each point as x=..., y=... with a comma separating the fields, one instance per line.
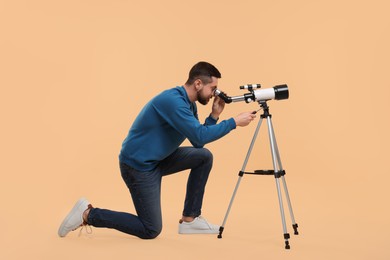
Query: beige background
x=74, y=74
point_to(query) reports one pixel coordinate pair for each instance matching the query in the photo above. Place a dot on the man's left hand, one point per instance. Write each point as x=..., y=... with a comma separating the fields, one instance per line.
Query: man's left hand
x=218, y=106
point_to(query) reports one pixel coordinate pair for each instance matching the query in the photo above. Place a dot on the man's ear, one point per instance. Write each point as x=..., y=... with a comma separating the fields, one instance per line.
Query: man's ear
x=198, y=85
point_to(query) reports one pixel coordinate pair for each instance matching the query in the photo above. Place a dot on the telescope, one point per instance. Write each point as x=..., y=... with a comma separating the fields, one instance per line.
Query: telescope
x=278, y=92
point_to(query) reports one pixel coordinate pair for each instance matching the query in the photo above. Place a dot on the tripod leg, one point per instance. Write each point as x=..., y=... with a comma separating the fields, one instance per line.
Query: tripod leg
x=241, y=174
x=221, y=228
x=294, y=225
x=275, y=161
x=285, y=234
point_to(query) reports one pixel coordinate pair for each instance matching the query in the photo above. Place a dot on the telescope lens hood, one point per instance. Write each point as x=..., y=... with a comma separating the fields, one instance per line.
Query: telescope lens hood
x=281, y=92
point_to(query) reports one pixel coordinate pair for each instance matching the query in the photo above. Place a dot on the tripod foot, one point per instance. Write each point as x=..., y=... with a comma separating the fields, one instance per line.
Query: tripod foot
x=286, y=237
x=295, y=227
x=220, y=232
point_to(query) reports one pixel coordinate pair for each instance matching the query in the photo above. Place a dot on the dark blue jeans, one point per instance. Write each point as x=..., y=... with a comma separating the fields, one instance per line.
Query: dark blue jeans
x=145, y=189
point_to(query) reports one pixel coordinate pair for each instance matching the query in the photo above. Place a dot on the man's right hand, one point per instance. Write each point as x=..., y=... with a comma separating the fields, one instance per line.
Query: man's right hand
x=245, y=118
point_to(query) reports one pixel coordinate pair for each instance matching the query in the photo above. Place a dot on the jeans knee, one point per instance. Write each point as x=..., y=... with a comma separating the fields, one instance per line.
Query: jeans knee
x=152, y=233
x=207, y=155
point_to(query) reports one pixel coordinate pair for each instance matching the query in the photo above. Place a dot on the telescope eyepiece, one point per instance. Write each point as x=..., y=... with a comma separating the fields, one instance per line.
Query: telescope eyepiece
x=222, y=95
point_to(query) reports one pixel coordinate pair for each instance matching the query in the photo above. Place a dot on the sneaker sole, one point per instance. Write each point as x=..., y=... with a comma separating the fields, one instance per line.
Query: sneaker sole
x=199, y=231
x=75, y=208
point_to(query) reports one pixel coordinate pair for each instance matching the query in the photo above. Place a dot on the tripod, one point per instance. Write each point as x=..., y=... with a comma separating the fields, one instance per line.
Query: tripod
x=278, y=172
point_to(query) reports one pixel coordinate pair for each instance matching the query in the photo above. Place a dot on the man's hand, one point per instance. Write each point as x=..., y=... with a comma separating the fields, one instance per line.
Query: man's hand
x=218, y=106
x=245, y=118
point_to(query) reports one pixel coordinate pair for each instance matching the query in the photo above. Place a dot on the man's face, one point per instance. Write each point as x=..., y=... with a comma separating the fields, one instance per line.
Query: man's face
x=206, y=91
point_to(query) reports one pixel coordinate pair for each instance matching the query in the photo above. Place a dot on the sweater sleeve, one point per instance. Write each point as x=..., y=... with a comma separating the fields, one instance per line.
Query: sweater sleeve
x=177, y=113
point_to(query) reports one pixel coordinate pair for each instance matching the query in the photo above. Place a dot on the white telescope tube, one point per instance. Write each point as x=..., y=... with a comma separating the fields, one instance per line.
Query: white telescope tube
x=264, y=94
x=278, y=93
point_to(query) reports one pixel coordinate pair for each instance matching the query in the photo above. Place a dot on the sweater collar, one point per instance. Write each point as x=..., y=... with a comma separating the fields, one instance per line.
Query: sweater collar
x=184, y=93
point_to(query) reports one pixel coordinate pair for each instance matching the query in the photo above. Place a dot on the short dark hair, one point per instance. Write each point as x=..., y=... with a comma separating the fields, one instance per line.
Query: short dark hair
x=203, y=71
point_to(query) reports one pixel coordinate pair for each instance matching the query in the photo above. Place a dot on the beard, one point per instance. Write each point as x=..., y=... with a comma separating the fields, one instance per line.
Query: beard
x=202, y=100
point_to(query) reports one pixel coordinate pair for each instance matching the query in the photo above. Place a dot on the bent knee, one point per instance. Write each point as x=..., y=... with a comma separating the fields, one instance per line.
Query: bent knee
x=151, y=233
x=207, y=155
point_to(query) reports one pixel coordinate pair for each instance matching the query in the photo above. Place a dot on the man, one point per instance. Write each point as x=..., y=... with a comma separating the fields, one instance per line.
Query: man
x=152, y=150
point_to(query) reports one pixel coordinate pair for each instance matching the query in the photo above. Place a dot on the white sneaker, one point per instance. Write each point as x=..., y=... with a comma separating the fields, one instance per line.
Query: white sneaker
x=198, y=226
x=74, y=219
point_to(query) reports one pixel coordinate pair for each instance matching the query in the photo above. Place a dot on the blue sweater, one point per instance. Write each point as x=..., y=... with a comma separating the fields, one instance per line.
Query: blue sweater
x=163, y=124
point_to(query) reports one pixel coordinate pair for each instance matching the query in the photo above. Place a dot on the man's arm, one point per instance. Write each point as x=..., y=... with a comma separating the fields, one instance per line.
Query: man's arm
x=179, y=116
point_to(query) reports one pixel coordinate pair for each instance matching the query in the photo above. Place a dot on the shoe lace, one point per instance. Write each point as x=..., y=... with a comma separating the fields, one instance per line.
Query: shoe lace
x=87, y=228
x=205, y=221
